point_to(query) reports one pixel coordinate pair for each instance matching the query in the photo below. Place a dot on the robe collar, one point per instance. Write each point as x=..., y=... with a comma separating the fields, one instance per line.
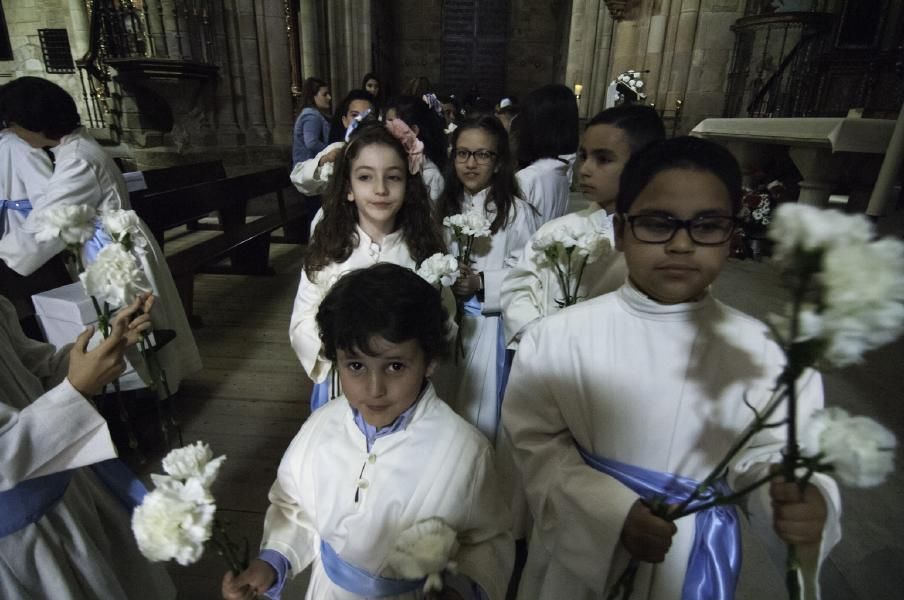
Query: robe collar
x=638, y=303
x=375, y=249
x=372, y=433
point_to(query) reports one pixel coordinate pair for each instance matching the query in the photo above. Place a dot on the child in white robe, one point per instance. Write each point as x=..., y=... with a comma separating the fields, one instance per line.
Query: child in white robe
x=655, y=376
x=546, y=134
x=375, y=212
x=479, y=178
x=386, y=456
x=44, y=115
x=24, y=172
x=63, y=534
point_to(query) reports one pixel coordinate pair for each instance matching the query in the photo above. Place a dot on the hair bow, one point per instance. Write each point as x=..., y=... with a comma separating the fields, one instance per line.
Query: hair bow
x=413, y=146
x=354, y=124
x=433, y=102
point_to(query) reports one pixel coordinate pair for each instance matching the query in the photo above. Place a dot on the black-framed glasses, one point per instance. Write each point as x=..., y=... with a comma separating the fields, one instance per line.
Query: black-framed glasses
x=483, y=157
x=659, y=229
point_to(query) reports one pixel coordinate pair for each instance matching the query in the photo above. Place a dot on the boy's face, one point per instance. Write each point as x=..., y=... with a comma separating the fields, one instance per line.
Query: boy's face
x=603, y=153
x=679, y=270
x=384, y=386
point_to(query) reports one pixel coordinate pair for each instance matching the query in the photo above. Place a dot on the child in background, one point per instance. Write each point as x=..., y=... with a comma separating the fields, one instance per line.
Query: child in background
x=375, y=211
x=64, y=529
x=479, y=178
x=370, y=83
x=427, y=125
x=384, y=457
x=546, y=139
x=658, y=377
x=529, y=291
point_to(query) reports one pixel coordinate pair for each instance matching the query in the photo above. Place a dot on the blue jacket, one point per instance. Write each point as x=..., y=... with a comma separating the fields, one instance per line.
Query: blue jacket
x=312, y=130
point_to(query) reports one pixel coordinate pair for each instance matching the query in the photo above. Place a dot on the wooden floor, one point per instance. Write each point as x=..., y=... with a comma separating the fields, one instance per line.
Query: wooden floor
x=251, y=398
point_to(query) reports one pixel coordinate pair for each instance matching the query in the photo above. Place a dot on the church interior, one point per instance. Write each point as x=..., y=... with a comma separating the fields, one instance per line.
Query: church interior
x=202, y=97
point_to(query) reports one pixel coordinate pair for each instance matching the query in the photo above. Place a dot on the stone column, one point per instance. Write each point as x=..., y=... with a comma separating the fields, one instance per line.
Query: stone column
x=589, y=45
x=275, y=76
x=350, y=40
x=819, y=169
x=78, y=34
x=251, y=70
x=230, y=93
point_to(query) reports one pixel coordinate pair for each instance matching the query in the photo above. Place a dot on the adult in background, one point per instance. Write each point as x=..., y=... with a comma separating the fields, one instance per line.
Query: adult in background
x=312, y=128
x=44, y=115
x=546, y=133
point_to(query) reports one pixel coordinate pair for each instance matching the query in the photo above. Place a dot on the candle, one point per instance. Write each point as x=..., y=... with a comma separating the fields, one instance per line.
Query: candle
x=577, y=89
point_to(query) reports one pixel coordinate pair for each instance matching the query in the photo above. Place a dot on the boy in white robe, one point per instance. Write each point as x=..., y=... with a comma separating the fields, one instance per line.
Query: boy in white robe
x=385, y=456
x=24, y=172
x=74, y=540
x=655, y=376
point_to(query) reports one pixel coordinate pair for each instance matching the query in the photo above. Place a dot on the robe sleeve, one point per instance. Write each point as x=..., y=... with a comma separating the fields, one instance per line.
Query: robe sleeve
x=578, y=512
x=73, y=182
x=33, y=442
x=309, y=177
x=303, y=331
x=289, y=523
x=522, y=296
x=486, y=551
x=35, y=170
x=517, y=233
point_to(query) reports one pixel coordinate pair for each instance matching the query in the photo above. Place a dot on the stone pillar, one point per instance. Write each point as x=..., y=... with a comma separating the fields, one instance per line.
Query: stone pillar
x=230, y=94
x=820, y=170
x=275, y=76
x=78, y=33
x=251, y=70
x=589, y=46
x=350, y=41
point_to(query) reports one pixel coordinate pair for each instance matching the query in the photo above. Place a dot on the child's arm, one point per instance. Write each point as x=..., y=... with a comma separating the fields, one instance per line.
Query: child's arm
x=307, y=176
x=250, y=583
x=522, y=296
x=303, y=331
x=517, y=234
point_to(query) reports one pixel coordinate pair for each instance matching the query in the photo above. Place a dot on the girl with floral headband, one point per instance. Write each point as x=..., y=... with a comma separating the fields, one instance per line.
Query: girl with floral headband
x=427, y=126
x=480, y=185
x=375, y=210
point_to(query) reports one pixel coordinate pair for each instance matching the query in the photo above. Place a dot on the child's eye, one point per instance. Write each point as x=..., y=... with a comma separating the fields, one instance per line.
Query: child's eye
x=395, y=367
x=354, y=366
x=395, y=178
x=363, y=177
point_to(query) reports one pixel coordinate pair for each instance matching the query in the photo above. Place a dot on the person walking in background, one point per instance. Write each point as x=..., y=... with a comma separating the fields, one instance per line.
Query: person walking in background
x=312, y=128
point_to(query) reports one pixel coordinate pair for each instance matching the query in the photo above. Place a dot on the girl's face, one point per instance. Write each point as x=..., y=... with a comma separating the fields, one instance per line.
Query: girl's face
x=680, y=269
x=475, y=159
x=324, y=99
x=355, y=109
x=377, y=187
x=373, y=86
x=603, y=153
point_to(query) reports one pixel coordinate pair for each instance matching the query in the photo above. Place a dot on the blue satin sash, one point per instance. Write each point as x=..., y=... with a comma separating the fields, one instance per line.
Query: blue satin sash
x=31, y=499
x=715, y=559
x=320, y=395
x=504, y=358
x=95, y=244
x=358, y=581
x=473, y=307
x=22, y=206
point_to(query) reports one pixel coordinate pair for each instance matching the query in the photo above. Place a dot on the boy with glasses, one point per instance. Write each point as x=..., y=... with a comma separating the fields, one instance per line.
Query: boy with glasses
x=657, y=377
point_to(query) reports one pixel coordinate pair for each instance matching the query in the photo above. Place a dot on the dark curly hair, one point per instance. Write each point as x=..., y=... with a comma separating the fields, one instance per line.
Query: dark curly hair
x=336, y=237
x=430, y=125
x=386, y=301
x=503, y=187
x=38, y=105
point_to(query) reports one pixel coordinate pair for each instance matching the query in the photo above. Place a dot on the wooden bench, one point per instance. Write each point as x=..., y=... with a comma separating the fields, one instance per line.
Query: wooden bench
x=246, y=242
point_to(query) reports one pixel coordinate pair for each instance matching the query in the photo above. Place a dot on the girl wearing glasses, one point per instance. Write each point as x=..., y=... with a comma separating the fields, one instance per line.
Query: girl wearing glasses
x=649, y=384
x=375, y=210
x=480, y=177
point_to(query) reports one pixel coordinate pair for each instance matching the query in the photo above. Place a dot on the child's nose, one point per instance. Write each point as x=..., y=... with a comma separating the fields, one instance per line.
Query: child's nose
x=681, y=241
x=376, y=385
x=381, y=188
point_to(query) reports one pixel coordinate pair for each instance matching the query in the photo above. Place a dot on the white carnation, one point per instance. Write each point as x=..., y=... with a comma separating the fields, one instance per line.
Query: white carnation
x=801, y=227
x=124, y=226
x=73, y=223
x=115, y=277
x=592, y=245
x=425, y=550
x=193, y=461
x=473, y=223
x=863, y=295
x=860, y=450
x=167, y=527
x=439, y=269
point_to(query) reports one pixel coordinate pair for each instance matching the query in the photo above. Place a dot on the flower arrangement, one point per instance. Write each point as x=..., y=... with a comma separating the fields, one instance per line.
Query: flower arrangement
x=465, y=227
x=424, y=551
x=178, y=518
x=847, y=297
x=440, y=269
x=631, y=82
x=567, y=251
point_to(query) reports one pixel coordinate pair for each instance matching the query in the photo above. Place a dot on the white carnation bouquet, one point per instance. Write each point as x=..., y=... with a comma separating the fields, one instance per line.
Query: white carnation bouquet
x=114, y=279
x=178, y=518
x=425, y=551
x=847, y=297
x=440, y=269
x=567, y=250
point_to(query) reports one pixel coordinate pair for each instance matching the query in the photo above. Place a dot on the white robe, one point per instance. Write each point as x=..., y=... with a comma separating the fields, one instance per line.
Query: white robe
x=303, y=331
x=438, y=466
x=24, y=172
x=545, y=183
x=471, y=391
x=657, y=386
x=85, y=174
x=530, y=291
x=82, y=547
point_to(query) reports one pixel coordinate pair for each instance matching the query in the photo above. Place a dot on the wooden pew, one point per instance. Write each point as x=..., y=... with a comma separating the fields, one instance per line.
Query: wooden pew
x=245, y=241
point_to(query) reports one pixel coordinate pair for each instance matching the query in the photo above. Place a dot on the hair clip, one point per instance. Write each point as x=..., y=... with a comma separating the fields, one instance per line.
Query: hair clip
x=354, y=124
x=433, y=102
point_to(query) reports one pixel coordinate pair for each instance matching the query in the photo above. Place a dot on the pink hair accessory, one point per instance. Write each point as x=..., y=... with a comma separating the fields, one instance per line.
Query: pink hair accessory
x=413, y=146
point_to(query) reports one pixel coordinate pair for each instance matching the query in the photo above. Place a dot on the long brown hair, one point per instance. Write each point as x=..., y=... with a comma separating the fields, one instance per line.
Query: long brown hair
x=336, y=236
x=503, y=186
